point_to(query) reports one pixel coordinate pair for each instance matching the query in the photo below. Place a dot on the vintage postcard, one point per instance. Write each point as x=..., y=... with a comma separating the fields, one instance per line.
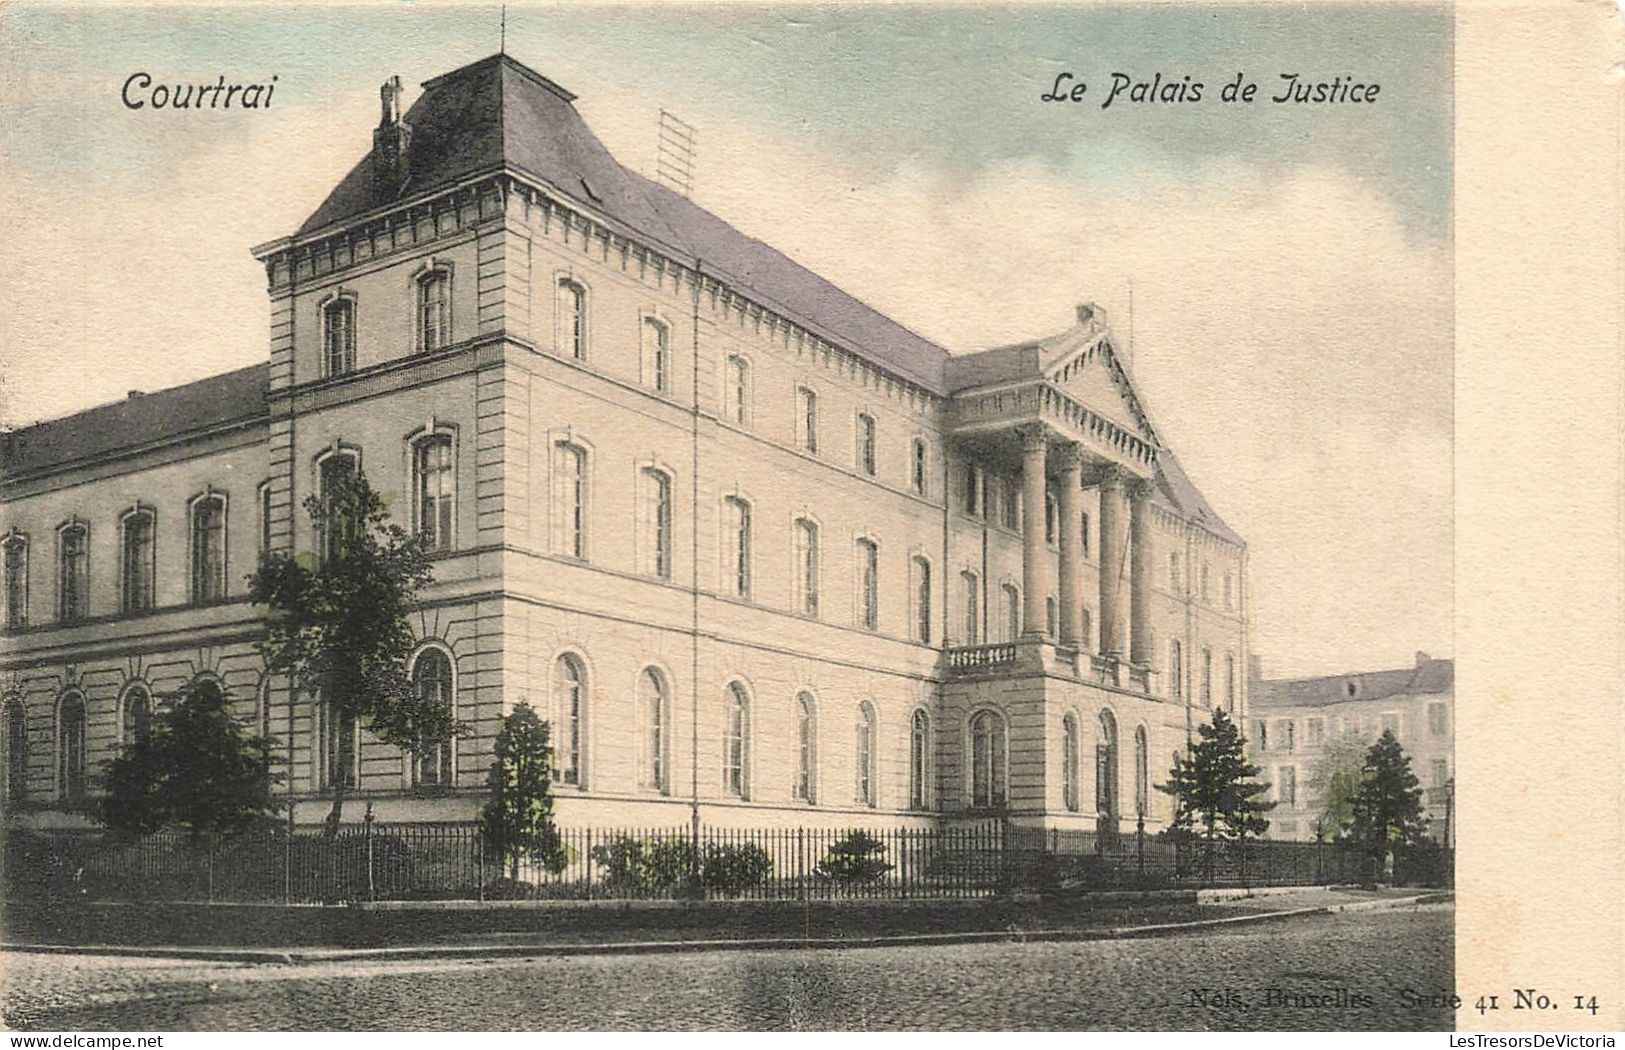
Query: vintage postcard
x=781, y=517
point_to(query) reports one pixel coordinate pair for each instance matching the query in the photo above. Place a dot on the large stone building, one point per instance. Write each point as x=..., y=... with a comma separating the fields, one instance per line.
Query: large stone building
x=1298, y=725
x=756, y=550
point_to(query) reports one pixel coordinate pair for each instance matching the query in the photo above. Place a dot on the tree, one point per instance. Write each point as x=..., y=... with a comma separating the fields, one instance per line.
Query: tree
x=337, y=623
x=517, y=820
x=1215, y=790
x=196, y=768
x=1386, y=812
x=1334, y=779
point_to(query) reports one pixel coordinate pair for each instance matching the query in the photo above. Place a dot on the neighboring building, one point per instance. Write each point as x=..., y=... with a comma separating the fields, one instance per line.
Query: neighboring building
x=1295, y=723
x=752, y=547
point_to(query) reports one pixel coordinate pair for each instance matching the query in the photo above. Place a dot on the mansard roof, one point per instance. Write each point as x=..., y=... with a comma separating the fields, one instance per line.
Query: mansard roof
x=1429, y=676
x=137, y=421
x=498, y=114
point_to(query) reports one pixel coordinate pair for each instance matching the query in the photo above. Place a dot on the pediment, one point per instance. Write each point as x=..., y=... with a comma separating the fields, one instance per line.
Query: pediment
x=1091, y=374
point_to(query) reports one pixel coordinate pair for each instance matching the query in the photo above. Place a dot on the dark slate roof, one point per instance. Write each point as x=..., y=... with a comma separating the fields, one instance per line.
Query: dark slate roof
x=137, y=421
x=498, y=113
x=1178, y=493
x=1428, y=676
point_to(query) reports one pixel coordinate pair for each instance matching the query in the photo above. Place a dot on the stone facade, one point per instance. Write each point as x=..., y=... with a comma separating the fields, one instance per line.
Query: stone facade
x=952, y=569
x=1295, y=724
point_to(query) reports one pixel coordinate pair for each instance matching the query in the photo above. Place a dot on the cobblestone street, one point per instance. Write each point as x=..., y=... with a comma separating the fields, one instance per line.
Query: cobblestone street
x=1355, y=965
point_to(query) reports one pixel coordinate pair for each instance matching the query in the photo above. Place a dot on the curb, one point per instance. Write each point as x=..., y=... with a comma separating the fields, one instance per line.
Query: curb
x=532, y=951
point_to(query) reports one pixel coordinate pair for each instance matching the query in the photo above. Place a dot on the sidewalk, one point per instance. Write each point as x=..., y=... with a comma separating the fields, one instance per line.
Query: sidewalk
x=1091, y=920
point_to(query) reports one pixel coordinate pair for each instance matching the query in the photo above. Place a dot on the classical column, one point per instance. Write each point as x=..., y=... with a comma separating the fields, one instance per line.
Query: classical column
x=1113, y=529
x=1034, y=446
x=1139, y=612
x=1070, y=509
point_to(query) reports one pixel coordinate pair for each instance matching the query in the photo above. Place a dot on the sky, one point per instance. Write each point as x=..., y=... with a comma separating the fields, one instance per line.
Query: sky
x=1289, y=266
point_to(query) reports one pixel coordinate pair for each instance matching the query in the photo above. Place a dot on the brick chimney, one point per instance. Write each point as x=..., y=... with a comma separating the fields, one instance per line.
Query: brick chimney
x=390, y=140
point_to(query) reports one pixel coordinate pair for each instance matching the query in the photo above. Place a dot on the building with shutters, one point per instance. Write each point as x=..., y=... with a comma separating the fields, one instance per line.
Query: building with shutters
x=750, y=546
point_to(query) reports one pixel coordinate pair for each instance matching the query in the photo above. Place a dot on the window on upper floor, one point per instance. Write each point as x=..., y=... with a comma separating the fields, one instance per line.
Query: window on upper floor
x=1050, y=611
x=1173, y=571
x=737, y=567
x=970, y=493
x=1314, y=732
x=1286, y=790
x=1176, y=669
x=970, y=584
x=917, y=467
x=1010, y=504
x=73, y=572
x=806, y=567
x=807, y=419
x=736, y=391
x=433, y=487
x=570, y=499
x=1439, y=772
x=208, y=548
x=868, y=558
x=1390, y=723
x=1286, y=735
x=573, y=319
x=657, y=354
x=1049, y=516
x=1230, y=682
x=1207, y=676
x=865, y=440
x=921, y=572
x=1205, y=596
x=1229, y=593
x=338, y=337
x=264, y=501
x=1012, y=612
x=15, y=549
x=138, y=560
x=1083, y=533
x=657, y=511
x=434, y=311
x=1438, y=718
x=336, y=471
x=1261, y=734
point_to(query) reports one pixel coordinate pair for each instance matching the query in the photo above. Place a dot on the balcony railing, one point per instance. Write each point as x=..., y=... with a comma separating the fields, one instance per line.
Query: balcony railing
x=972, y=659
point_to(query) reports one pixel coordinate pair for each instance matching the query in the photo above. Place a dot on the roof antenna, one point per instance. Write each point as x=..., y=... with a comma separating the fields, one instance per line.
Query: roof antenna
x=674, y=152
x=502, y=47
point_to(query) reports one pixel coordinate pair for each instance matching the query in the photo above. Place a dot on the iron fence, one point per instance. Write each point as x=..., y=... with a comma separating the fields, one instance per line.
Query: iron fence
x=426, y=861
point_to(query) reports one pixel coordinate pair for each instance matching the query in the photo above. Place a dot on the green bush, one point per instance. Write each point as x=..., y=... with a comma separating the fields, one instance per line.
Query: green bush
x=734, y=869
x=645, y=867
x=855, y=858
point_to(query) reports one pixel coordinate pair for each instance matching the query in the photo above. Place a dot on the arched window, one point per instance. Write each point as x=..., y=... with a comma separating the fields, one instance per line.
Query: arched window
x=342, y=752
x=919, y=754
x=987, y=760
x=570, y=701
x=657, y=522
x=864, y=755
x=805, y=787
x=16, y=741
x=868, y=584
x=1069, y=762
x=737, y=390
x=1012, y=612
x=138, y=561
x=433, y=765
x=73, y=575
x=1142, y=773
x=433, y=486
x=737, y=570
x=922, y=600
x=434, y=310
x=208, y=549
x=657, y=354
x=807, y=418
x=71, y=755
x=136, y=716
x=652, y=725
x=570, y=498
x=337, y=471
x=917, y=470
x=866, y=443
x=573, y=319
x=16, y=570
x=973, y=605
x=338, y=337
x=735, y=740
x=806, y=567
x=1106, y=767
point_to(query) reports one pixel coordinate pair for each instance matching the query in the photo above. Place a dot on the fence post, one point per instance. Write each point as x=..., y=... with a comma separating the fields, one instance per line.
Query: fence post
x=801, y=863
x=287, y=861
x=211, y=867
x=1139, y=845
x=366, y=831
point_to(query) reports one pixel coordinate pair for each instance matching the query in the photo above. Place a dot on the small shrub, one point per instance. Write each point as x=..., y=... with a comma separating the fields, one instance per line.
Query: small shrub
x=645, y=867
x=855, y=858
x=734, y=869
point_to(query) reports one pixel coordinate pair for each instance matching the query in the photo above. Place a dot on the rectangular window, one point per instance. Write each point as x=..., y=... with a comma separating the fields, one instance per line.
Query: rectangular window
x=1438, y=719
x=434, y=311
x=807, y=567
x=659, y=350
x=866, y=444
x=922, y=601
x=1287, y=788
x=807, y=418
x=1173, y=571
x=573, y=318
x=918, y=468
x=73, y=584
x=336, y=471
x=973, y=601
x=265, y=518
x=739, y=390
x=1289, y=734
x=869, y=586
x=138, y=562
x=1207, y=677
x=1205, y=598
x=338, y=337
x=1176, y=668
x=972, y=490
x=16, y=553
x=1229, y=681
x=1083, y=533
x=208, y=550
x=1229, y=595
x=1316, y=732
x=658, y=516
x=1011, y=505
x=1440, y=772
x=431, y=463
x=570, y=490
x=1261, y=730
x=739, y=529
